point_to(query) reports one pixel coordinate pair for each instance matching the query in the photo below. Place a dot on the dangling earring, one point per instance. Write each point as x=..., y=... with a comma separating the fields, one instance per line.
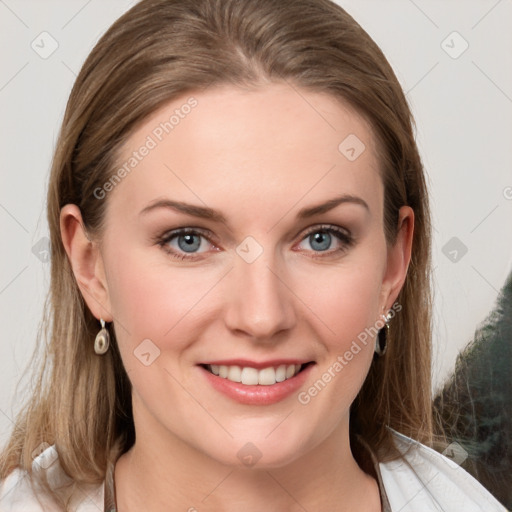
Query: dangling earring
x=381, y=341
x=102, y=341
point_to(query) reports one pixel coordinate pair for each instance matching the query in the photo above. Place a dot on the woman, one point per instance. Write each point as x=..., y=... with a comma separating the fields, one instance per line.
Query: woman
x=240, y=297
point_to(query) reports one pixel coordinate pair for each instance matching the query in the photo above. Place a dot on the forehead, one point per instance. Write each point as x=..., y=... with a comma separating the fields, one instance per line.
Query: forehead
x=269, y=146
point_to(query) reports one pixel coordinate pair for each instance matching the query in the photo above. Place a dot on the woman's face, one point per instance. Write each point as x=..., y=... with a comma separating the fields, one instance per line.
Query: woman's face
x=273, y=254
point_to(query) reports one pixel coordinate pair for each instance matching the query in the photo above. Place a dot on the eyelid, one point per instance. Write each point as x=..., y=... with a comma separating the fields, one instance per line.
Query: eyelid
x=326, y=227
x=164, y=239
x=172, y=233
x=343, y=235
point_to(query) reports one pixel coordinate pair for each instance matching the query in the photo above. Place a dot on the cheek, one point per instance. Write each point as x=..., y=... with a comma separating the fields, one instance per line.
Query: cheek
x=347, y=307
x=347, y=302
x=151, y=301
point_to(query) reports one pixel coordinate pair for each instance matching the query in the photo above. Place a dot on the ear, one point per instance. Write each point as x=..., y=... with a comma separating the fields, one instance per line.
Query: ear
x=86, y=262
x=398, y=258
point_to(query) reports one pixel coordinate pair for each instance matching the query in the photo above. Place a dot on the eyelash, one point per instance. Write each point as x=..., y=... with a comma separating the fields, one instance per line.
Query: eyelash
x=343, y=236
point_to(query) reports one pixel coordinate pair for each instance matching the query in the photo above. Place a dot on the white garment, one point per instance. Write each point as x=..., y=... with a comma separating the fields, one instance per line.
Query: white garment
x=424, y=481
x=17, y=495
x=428, y=481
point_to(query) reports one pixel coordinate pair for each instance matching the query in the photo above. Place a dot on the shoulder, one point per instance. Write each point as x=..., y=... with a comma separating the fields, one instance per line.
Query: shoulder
x=426, y=480
x=22, y=492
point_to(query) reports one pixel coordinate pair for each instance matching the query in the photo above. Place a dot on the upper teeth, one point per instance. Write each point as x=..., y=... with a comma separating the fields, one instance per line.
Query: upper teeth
x=252, y=376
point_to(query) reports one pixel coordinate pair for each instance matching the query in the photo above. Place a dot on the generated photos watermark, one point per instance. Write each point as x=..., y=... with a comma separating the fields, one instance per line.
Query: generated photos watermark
x=305, y=397
x=151, y=142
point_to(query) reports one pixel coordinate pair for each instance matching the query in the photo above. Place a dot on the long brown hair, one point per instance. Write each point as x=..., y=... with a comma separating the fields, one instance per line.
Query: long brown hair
x=163, y=49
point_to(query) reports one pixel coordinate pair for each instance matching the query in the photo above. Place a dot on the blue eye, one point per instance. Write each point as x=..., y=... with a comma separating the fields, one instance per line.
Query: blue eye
x=189, y=242
x=185, y=243
x=322, y=239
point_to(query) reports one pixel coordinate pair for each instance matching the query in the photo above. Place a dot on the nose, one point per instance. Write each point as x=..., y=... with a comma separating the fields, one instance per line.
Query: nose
x=260, y=304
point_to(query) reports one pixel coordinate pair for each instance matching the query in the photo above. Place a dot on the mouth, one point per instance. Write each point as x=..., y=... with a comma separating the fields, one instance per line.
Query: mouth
x=261, y=384
x=250, y=376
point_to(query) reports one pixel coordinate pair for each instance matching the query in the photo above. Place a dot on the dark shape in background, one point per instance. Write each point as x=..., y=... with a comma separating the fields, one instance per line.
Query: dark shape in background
x=475, y=405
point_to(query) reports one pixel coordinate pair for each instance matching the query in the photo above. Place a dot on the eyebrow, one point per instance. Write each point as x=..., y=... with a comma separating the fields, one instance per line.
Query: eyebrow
x=205, y=212
x=330, y=204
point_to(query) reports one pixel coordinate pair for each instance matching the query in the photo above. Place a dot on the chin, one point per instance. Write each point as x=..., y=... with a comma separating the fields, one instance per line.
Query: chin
x=257, y=452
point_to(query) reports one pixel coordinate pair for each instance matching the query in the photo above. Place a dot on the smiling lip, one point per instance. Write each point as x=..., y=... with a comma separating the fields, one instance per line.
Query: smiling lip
x=253, y=364
x=257, y=394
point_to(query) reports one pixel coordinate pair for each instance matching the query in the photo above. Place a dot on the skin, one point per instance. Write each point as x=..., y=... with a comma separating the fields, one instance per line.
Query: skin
x=258, y=157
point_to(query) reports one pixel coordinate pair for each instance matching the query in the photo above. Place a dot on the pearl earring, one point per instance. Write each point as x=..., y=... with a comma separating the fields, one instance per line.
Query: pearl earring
x=102, y=341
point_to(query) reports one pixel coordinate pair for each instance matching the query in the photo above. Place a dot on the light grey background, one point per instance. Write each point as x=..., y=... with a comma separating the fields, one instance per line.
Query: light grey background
x=462, y=102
